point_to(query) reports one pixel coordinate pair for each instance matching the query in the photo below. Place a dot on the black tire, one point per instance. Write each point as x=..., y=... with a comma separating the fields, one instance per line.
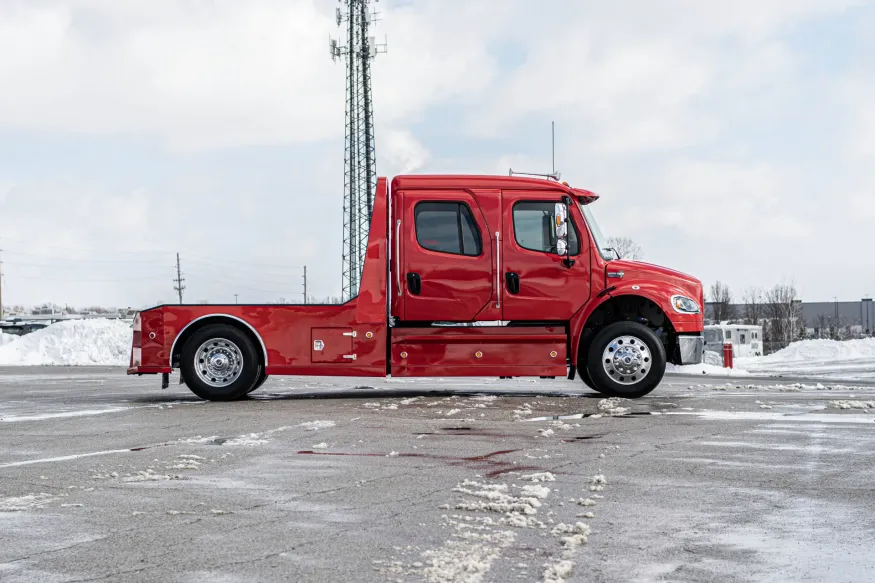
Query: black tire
x=262, y=377
x=651, y=364
x=583, y=372
x=220, y=339
x=582, y=352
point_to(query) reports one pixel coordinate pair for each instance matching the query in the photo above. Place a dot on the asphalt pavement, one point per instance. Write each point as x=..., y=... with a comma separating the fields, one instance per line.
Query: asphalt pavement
x=105, y=477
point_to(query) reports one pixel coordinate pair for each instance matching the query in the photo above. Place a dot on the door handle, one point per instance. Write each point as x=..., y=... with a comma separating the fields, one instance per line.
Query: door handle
x=414, y=283
x=513, y=282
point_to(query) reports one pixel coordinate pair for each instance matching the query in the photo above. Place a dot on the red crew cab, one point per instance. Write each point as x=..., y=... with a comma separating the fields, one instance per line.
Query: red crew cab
x=464, y=276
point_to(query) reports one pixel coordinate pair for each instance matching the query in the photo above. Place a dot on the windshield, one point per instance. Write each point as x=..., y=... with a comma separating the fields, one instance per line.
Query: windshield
x=600, y=241
x=713, y=336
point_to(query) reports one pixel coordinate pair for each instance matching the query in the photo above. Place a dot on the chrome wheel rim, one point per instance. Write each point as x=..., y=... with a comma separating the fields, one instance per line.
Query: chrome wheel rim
x=626, y=360
x=218, y=362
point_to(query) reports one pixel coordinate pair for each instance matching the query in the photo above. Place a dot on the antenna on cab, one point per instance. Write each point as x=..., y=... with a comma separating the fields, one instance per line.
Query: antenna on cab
x=553, y=175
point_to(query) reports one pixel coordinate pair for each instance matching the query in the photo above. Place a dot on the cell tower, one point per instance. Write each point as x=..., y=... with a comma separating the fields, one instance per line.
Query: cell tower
x=360, y=167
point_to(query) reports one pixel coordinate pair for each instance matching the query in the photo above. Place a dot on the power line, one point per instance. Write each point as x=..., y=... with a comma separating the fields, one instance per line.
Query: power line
x=179, y=281
x=75, y=279
x=233, y=276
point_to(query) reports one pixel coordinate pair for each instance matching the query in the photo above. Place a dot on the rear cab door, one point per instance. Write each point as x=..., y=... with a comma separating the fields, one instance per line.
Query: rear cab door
x=445, y=265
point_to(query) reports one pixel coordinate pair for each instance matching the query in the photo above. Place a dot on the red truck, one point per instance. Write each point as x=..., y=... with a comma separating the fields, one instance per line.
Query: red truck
x=464, y=276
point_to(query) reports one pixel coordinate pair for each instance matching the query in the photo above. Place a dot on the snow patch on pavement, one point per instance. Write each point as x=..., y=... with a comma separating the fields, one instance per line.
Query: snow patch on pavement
x=467, y=560
x=20, y=503
x=705, y=369
x=479, y=540
x=712, y=415
x=248, y=440
x=61, y=415
x=852, y=404
x=317, y=425
x=539, y=477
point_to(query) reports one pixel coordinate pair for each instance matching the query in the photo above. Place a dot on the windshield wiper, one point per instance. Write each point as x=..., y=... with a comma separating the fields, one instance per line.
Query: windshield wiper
x=615, y=252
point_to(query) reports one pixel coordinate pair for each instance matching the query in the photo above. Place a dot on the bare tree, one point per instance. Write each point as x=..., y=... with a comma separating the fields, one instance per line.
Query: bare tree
x=720, y=297
x=822, y=330
x=753, y=299
x=330, y=300
x=784, y=312
x=626, y=248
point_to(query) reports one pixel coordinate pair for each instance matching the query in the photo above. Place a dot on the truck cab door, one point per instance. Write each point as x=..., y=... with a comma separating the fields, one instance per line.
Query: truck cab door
x=444, y=267
x=535, y=283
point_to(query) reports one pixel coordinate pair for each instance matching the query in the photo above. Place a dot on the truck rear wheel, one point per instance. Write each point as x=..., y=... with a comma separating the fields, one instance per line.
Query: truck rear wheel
x=626, y=359
x=219, y=363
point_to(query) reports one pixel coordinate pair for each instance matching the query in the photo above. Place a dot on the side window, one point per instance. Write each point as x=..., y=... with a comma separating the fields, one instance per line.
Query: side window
x=447, y=227
x=534, y=228
x=743, y=338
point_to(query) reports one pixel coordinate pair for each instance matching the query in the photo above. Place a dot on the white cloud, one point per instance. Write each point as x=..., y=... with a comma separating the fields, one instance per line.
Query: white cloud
x=675, y=111
x=404, y=153
x=197, y=75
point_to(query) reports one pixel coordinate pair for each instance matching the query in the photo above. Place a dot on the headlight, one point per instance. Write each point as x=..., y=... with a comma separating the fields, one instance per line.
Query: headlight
x=684, y=305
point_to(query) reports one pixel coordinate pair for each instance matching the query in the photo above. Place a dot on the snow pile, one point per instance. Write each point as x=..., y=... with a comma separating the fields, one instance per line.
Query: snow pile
x=713, y=358
x=71, y=343
x=612, y=406
x=7, y=338
x=495, y=498
x=831, y=350
x=854, y=359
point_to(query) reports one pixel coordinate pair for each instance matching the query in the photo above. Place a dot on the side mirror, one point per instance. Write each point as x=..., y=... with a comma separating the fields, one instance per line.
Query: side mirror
x=560, y=222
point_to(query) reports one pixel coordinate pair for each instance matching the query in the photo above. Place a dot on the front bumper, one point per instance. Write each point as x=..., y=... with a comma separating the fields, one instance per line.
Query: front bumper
x=691, y=349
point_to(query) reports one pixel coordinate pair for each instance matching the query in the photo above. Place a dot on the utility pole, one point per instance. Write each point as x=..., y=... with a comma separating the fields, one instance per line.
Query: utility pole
x=179, y=287
x=235, y=298
x=305, y=284
x=553, y=136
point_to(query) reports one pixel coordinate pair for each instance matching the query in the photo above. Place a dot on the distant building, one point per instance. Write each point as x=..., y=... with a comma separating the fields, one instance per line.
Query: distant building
x=821, y=317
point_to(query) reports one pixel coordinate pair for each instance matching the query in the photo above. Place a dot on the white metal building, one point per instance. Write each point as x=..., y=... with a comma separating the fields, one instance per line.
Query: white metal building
x=747, y=340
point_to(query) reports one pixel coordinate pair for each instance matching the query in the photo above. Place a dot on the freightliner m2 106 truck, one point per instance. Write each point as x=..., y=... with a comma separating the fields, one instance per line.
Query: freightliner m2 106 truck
x=464, y=276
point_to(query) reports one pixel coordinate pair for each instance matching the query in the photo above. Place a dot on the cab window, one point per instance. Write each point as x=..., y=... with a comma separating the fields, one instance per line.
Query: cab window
x=447, y=227
x=535, y=230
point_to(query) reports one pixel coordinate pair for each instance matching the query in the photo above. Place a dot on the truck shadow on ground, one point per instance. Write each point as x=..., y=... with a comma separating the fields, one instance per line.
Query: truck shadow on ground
x=368, y=393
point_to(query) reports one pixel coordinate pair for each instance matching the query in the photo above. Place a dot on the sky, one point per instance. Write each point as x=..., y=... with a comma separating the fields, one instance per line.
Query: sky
x=734, y=141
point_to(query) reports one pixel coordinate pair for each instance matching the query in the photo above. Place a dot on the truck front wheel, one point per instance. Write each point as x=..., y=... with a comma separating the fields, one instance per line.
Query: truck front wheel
x=219, y=363
x=626, y=359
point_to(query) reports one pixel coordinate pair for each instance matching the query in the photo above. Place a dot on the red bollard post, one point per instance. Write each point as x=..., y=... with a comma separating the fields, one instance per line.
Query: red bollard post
x=727, y=355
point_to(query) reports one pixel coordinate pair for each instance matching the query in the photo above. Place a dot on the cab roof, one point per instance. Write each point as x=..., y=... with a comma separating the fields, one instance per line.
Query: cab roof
x=483, y=182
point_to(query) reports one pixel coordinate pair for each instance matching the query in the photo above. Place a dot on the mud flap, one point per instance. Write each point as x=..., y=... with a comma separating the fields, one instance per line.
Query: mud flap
x=165, y=380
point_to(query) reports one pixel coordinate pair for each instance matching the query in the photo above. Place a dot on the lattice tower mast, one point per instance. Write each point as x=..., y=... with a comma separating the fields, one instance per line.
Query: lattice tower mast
x=360, y=167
